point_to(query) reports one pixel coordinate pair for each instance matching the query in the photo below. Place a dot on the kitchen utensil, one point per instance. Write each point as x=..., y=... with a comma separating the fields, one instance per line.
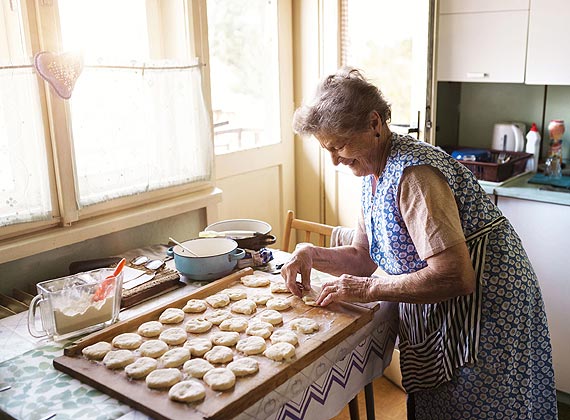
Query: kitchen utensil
x=215, y=257
x=104, y=287
x=183, y=247
x=248, y=233
x=67, y=308
x=508, y=137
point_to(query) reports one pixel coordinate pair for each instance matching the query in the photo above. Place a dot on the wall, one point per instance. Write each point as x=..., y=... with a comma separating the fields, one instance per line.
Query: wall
x=466, y=112
x=26, y=272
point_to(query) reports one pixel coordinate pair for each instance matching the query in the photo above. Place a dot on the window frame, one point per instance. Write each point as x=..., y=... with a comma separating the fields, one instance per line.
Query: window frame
x=68, y=223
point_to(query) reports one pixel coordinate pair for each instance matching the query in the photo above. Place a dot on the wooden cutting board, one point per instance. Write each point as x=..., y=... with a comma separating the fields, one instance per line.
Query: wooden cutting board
x=337, y=322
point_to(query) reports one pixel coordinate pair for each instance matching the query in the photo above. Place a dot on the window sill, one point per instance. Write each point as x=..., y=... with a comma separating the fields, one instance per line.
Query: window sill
x=24, y=246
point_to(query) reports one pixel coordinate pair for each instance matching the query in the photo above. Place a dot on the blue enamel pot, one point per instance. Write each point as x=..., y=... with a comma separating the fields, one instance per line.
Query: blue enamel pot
x=214, y=258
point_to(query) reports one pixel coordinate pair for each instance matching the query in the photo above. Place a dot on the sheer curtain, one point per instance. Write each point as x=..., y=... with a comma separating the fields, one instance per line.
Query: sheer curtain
x=139, y=128
x=24, y=177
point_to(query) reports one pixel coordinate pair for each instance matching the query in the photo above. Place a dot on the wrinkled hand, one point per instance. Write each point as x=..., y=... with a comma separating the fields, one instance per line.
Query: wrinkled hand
x=301, y=263
x=346, y=288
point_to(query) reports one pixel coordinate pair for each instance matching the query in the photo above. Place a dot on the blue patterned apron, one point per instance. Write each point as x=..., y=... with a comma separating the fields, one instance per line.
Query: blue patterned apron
x=485, y=355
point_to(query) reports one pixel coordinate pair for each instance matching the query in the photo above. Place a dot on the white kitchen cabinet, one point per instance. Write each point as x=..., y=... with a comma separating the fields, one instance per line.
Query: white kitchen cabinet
x=482, y=47
x=548, y=60
x=471, y=6
x=544, y=230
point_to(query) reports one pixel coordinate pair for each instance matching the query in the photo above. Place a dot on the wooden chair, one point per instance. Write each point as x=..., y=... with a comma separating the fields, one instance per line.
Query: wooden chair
x=322, y=233
x=319, y=231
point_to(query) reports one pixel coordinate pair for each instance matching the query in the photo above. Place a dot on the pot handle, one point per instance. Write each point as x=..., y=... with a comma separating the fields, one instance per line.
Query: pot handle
x=238, y=254
x=267, y=239
x=170, y=252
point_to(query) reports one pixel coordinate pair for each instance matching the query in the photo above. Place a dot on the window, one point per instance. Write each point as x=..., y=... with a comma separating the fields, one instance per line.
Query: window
x=244, y=73
x=136, y=129
x=393, y=55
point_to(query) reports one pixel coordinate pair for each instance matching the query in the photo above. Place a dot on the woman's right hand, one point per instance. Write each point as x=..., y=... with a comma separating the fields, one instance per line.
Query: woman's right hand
x=301, y=263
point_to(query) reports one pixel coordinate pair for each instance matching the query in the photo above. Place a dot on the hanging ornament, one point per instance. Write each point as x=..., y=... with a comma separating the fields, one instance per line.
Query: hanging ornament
x=59, y=70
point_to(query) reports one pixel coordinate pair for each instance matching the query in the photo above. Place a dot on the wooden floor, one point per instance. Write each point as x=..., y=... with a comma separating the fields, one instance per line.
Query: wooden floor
x=389, y=402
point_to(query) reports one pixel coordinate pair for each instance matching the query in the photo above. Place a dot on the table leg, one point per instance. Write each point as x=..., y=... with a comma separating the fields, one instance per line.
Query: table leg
x=369, y=398
x=353, y=408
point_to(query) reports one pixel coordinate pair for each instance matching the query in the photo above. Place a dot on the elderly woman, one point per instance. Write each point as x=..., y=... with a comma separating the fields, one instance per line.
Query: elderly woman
x=473, y=334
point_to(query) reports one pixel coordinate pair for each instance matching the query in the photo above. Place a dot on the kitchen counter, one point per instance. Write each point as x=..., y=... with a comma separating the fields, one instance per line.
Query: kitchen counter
x=518, y=187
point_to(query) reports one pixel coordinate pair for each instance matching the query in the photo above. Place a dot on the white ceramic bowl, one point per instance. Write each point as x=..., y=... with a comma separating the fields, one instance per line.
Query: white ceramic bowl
x=251, y=225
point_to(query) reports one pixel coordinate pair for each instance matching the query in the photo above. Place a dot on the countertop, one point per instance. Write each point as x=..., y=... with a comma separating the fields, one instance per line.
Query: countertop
x=518, y=187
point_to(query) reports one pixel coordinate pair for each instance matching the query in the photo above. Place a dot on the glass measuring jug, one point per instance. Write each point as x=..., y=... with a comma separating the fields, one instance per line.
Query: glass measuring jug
x=76, y=304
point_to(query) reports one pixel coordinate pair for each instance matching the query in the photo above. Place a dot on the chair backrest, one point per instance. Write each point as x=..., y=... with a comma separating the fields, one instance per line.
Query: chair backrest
x=306, y=230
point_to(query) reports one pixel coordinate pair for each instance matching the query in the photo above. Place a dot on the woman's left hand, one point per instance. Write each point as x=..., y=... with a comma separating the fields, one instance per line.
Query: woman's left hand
x=346, y=288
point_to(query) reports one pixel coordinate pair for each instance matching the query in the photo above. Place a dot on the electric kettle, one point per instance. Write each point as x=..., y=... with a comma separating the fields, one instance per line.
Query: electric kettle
x=509, y=136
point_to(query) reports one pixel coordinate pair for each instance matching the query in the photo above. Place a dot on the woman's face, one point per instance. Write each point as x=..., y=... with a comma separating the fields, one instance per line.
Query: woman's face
x=359, y=153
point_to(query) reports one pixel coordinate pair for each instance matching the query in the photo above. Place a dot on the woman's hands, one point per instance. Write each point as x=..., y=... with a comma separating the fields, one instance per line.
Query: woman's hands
x=346, y=288
x=301, y=263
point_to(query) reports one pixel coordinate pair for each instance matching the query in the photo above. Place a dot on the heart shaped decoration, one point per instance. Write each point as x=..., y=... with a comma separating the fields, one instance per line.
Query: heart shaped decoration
x=59, y=70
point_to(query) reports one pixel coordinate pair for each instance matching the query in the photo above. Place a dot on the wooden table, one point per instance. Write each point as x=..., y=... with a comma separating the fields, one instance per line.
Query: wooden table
x=318, y=386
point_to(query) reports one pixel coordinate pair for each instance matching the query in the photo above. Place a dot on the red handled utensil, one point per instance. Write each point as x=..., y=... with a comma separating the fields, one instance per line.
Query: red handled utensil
x=106, y=284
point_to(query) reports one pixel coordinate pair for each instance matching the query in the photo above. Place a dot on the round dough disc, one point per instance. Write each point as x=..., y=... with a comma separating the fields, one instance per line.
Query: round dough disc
x=278, y=304
x=284, y=336
x=97, y=351
x=187, y=391
x=219, y=300
x=271, y=316
x=197, y=368
x=225, y=338
x=195, y=306
x=219, y=354
x=198, y=325
x=175, y=357
x=173, y=336
x=251, y=345
x=260, y=329
x=279, y=287
x=141, y=367
x=153, y=348
x=253, y=280
x=304, y=325
x=220, y=379
x=172, y=316
x=234, y=324
x=118, y=359
x=235, y=294
x=129, y=341
x=244, y=306
x=216, y=317
x=163, y=378
x=198, y=346
x=150, y=329
x=280, y=351
x=244, y=366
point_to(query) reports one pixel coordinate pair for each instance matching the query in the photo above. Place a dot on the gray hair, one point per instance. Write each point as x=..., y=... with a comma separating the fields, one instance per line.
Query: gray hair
x=342, y=106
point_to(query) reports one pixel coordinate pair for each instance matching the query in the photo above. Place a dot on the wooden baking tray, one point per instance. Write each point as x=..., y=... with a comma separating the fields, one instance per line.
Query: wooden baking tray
x=337, y=322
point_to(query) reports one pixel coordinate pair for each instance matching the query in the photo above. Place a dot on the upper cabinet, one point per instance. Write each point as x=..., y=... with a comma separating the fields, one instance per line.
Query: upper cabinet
x=482, y=40
x=548, y=60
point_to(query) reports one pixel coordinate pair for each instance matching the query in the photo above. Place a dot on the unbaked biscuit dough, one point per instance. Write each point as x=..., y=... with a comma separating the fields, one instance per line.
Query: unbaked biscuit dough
x=198, y=346
x=195, y=306
x=244, y=306
x=234, y=324
x=128, y=341
x=278, y=304
x=284, y=336
x=163, y=378
x=310, y=300
x=171, y=316
x=141, y=367
x=259, y=329
x=304, y=325
x=197, y=368
x=198, y=325
x=216, y=317
x=225, y=338
x=97, y=351
x=280, y=351
x=219, y=354
x=175, y=357
x=235, y=294
x=260, y=299
x=187, y=391
x=150, y=329
x=173, y=336
x=219, y=300
x=244, y=366
x=254, y=280
x=118, y=359
x=279, y=287
x=251, y=345
x=153, y=348
x=220, y=379
x=271, y=316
